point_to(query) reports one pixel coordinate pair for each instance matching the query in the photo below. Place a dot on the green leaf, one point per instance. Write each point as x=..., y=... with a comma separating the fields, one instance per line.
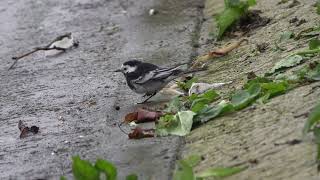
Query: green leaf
x=187, y=85
x=83, y=170
x=313, y=74
x=252, y=2
x=132, y=177
x=63, y=178
x=286, y=35
x=174, y=105
x=286, y=63
x=200, y=101
x=314, y=44
x=244, y=98
x=209, y=113
x=227, y=18
x=184, y=172
x=313, y=119
x=179, y=125
x=220, y=172
x=193, y=160
x=256, y=80
x=108, y=168
x=275, y=88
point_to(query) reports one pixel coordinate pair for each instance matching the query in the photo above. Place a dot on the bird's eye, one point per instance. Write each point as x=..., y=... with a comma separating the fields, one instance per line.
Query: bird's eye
x=125, y=69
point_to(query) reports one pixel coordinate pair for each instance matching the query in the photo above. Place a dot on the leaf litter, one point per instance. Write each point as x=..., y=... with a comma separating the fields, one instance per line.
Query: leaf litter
x=184, y=170
x=25, y=130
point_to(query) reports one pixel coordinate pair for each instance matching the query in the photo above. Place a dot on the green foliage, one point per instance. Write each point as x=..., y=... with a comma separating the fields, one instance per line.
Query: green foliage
x=234, y=10
x=108, y=168
x=83, y=170
x=313, y=120
x=286, y=63
x=318, y=7
x=179, y=124
x=132, y=177
x=193, y=160
x=243, y=98
x=314, y=44
x=187, y=85
x=208, y=113
x=220, y=172
x=198, y=102
x=185, y=170
x=175, y=105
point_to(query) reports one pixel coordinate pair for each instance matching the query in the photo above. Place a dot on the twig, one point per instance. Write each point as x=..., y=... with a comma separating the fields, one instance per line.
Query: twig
x=44, y=48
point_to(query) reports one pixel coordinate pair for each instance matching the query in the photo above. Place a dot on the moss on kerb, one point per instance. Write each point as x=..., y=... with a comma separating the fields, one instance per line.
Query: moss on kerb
x=253, y=132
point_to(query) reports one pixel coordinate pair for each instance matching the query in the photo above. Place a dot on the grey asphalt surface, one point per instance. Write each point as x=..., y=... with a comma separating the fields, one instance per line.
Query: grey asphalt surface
x=72, y=96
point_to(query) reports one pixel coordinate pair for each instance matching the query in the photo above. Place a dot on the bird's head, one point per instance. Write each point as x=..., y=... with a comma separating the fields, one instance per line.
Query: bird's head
x=129, y=66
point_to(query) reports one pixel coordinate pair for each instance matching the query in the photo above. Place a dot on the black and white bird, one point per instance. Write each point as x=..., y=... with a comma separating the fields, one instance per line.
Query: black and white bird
x=147, y=78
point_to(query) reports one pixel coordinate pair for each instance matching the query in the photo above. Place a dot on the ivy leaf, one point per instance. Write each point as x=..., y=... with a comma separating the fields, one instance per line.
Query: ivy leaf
x=286, y=35
x=314, y=44
x=184, y=171
x=131, y=177
x=193, y=160
x=227, y=18
x=83, y=170
x=208, y=113
x=179, y=124
x=200, y=101
x=243, y=98
x=274, y=88
x=187, y=85
x=174, y=105
x=108, y=168
x=286, y=63
x=220, y=172
x=313, y=119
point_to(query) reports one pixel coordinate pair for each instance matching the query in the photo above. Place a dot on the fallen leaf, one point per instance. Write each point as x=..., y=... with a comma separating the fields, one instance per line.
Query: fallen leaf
x=208, y=113
x=183, y=172
x=314, y=44
x=220, y=172
x=193, y=160
x=107, y=168
x=286, y=63
x=216, y=53
x=243, y=98
x=286, y=35
x=25, y=130
x=313, y=120
x=199, y=88
x=131, y=117
x=138, y=133
x=83, y=170
x=179, y=124
x=141, y=116
x=132, y=177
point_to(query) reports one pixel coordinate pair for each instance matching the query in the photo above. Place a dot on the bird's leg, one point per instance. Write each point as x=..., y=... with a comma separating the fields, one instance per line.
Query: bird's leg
x=150, y=96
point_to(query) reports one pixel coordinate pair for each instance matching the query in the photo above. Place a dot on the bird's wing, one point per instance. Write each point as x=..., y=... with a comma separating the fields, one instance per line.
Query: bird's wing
x=157, y=74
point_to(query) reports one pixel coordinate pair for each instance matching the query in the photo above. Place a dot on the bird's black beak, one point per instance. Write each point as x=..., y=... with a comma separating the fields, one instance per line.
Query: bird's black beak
x=118, y=70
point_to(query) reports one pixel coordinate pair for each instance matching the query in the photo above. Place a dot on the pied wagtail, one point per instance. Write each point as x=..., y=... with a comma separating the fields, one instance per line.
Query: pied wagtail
x=147, y=78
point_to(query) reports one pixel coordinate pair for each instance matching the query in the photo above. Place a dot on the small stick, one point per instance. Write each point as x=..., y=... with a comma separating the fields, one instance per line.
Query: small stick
x=44, y=48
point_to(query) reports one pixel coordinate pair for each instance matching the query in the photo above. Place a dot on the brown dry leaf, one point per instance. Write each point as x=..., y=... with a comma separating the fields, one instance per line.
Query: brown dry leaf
x=216, y=53
x=139, y=133
x=25, y=130
x=142, y=115
x=131, y=117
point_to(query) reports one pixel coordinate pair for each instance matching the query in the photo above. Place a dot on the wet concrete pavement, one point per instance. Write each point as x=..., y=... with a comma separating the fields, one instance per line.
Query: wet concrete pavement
x=72, y=96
